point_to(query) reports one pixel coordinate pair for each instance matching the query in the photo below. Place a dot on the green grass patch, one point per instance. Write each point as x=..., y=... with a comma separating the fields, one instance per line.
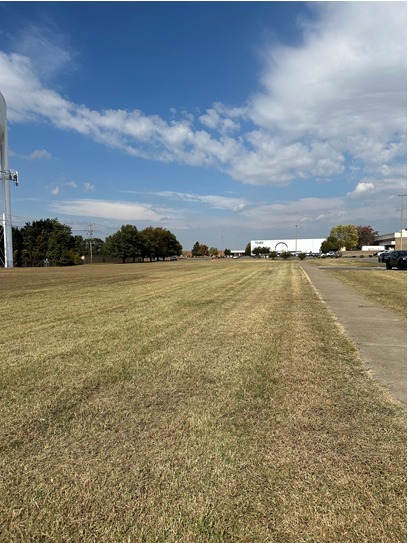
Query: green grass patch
x=213, y=401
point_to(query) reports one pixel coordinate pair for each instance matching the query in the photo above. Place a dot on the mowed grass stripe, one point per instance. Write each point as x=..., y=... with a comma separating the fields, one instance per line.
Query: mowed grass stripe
x=220, y=402
x=386, y=288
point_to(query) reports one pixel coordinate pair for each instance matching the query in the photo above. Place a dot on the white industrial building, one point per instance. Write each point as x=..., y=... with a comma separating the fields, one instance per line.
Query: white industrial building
x=395, y=240
x=290, y=245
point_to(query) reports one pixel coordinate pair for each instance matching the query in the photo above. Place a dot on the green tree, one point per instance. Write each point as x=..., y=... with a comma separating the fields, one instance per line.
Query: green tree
x=273, y=255
x=200, y=249
x=366, y=236
x=285, y=255
x=46, y=239
x=97, y=246
x=125, y=243
x=17, y=237
x=133, y=241
x=115, y=247
x=247, y=250
x=347, y=234
x=203, y=250
x=60, y=248
x=149, y=243
x=35, y=241
x=331, y=244
x=159, y=243
x=196, y=249
x=81, y=245
x=213, y=251
x=261, y=251
x=227, y=252
x=166, y=244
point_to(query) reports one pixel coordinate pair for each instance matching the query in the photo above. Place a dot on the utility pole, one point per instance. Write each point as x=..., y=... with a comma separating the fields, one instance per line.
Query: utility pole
x=90, y=233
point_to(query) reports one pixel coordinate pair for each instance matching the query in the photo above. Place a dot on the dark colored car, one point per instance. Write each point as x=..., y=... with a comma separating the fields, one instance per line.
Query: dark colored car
x=396, y=259
x=382, y=255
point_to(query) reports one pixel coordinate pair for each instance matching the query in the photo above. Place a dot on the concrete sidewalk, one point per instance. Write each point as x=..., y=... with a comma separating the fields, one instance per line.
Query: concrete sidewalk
x=379, y=334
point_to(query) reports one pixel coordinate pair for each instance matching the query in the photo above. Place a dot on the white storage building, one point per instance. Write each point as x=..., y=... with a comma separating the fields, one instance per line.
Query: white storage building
x=290, y=245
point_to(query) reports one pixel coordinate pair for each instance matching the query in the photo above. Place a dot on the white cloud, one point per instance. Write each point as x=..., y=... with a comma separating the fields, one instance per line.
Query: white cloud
x=120, y=212
x=39, y=154
x=362, y=188
x=338, y=95
x=349, y=74
x=106, y=209
x=215, y=201
x=344, y=88
x=89, y=187
x=46, y=46
x=55, y=191
x=213, y=120
x=271, y=162
x=288, y=213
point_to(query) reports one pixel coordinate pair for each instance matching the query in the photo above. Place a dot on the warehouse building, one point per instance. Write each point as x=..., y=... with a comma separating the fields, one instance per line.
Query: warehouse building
x=395, y=240
x=290, y=245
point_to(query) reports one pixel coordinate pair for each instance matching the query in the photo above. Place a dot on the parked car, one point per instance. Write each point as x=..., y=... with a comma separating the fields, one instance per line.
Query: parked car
x=331, y=254
x=396, y=259
x=382, y=255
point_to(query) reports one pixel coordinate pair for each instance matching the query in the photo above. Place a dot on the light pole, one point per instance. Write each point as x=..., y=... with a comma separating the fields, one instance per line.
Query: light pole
x=296, y=238
x=401, y=217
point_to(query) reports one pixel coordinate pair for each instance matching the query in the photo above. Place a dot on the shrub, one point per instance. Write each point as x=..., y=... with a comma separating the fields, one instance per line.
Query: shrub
x=68, y=258
x=302, y=256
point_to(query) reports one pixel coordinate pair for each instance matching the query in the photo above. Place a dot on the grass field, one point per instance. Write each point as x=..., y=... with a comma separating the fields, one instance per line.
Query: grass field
x=386, y=288
x=211, y=401
x=346, y=262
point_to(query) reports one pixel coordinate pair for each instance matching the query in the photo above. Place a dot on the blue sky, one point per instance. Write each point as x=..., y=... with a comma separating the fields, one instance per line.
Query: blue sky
x=221, y=121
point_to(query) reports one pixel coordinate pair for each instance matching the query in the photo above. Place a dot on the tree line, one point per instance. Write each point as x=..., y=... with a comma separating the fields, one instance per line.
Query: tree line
x=49, y=242
x=153, y=243
x=201, y=249
x=348, y=236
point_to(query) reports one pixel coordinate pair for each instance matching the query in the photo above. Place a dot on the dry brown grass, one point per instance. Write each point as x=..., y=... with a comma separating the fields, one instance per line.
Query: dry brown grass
x=385, y=287
x=346, y=262
x=190, y=402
